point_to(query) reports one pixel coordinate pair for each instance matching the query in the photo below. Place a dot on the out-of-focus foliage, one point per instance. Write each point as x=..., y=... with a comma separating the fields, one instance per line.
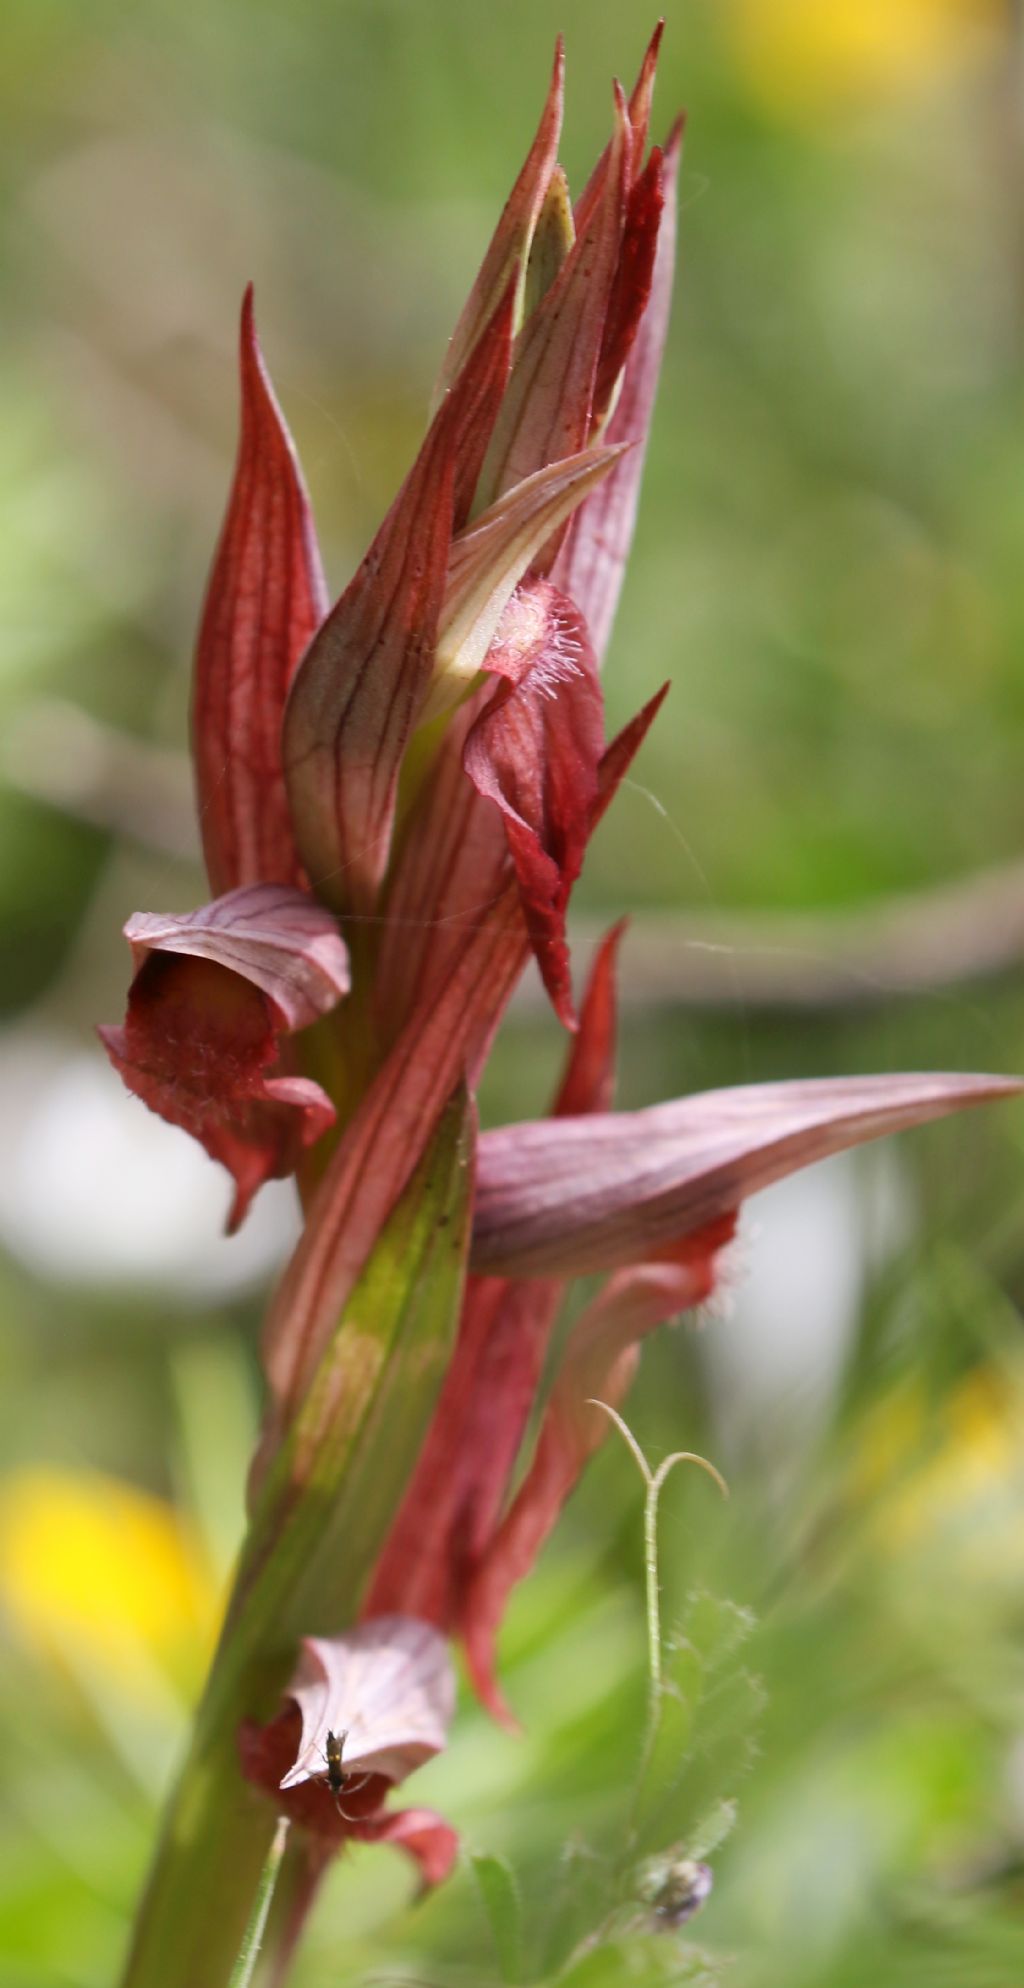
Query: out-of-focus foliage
x=830, y=568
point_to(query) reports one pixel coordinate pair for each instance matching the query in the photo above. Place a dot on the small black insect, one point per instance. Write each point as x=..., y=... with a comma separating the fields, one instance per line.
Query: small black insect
x=338, y=1779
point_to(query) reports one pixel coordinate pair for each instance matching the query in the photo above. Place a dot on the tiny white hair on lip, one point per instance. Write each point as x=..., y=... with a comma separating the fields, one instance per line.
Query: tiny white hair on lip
x=558, y=664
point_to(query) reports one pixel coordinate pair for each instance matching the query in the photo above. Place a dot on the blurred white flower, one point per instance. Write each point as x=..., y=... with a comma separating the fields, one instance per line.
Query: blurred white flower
x=95, y=1190
x=776, y=1357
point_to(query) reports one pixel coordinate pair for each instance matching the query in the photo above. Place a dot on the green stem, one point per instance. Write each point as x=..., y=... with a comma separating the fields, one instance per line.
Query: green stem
x=653, y=1483
x=653, y=1593
x=216, y=1835
x=319, y=1523
x=244, y=1967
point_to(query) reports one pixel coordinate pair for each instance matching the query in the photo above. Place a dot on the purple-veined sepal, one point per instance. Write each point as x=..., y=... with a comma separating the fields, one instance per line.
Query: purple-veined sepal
x=216, y=994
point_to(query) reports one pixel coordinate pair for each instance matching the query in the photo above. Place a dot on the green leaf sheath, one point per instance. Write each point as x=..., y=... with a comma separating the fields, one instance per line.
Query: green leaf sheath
x=318, y=1526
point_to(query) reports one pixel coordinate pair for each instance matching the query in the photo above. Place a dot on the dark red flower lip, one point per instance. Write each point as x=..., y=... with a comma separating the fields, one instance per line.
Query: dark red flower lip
x=216, y=994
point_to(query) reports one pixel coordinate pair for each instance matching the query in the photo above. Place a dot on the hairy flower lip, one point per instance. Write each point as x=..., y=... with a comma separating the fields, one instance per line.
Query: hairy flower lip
x=572, y=1196
x=489, y=559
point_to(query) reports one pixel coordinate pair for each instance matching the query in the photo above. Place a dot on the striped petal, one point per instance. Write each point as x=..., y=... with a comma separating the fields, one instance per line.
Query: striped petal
x=214, y=993
x=592, y=562
x=571, y=1196
x=265, y=599
x=387, y=1685
x=546, y=413
x=509, y=250
x=363, y=681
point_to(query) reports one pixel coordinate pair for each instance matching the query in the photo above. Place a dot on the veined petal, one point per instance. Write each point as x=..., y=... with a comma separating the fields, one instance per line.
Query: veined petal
x=386, y=1138
x=213, y=994
x=277, y=938
x=507, y=256
x=557, y=1198
x=631, y=289
x=600, y=1360
x=535, y=752
x=545, y=415
x=450, y=875
x=588, y=1081
x=592, y=563
x=387, y=1685
x=363, y=680
x=387, y=1691
x=264, y=600
x=488, y=561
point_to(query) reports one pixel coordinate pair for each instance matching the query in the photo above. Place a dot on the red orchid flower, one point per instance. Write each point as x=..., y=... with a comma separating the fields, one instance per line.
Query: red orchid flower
x=408, y=781
x=387, y=1691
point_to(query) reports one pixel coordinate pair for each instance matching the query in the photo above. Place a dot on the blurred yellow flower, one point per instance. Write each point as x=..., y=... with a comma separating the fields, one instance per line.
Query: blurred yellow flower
x=94, y=1571
x=805, y=57
x=948, y=1478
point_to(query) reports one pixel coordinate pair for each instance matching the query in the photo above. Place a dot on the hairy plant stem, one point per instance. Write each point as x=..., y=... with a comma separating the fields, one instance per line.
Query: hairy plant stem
x=245, y=1965
x=622, y=1867
x=653, y=1482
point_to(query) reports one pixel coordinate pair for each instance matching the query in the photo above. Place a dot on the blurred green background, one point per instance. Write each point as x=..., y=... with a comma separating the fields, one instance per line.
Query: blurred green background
x=829, y=566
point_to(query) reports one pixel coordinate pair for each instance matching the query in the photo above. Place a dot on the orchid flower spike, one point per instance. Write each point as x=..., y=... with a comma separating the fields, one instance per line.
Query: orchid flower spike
x=395, y=796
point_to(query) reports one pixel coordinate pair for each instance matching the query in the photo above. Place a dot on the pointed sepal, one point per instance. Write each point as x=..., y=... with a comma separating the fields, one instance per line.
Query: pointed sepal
x=363, y=681
x=264, y=601
x=639, y=107
x=546, y=412
x=570, y=1196
x=508, y=254
x=592, y=563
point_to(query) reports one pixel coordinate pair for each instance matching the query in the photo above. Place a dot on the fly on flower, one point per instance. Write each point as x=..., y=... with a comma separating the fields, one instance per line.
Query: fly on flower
x=338, y=1777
